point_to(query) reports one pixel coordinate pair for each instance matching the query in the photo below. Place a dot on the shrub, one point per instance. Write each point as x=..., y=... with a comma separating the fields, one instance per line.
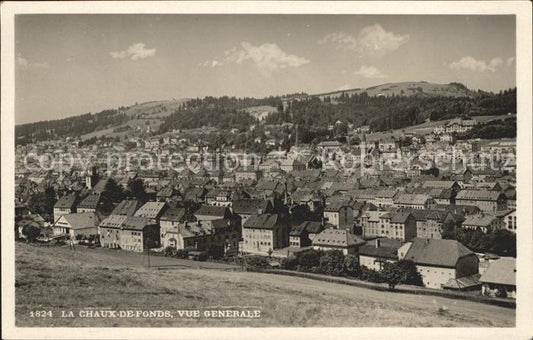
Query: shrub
x=411, y=276
x=256, y=262
x=289, y=263
x=308, y=259
x=182, y=254
x=31, y=232
x=371, y=275
x=216, y=252
x=403, y=271
x=351, y=266
x=501, y=292
x=169, y=251
x=332, y=263
x=392, y=274
x=202, y=256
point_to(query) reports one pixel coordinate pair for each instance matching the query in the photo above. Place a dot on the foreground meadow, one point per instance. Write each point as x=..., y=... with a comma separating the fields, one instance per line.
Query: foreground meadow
x=58, y=279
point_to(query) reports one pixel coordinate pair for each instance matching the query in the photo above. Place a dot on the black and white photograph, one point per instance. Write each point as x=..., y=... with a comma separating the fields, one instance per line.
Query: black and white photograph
x=325, y=168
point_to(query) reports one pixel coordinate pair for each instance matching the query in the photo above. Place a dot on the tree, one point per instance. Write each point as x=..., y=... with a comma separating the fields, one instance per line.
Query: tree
x=113, y=192
x=136, y=189
x=254, y=262
x=448, y=230
x=503, y=242
x=289, y=263
x=190, y=208
x=301, y=213
x=332, y=263
x=341, y=129
x=403, y=271
x=43, y=202
x=31, y=232
x=392, y=274
x=411, y=276
x=351, y=266
x=309, y=259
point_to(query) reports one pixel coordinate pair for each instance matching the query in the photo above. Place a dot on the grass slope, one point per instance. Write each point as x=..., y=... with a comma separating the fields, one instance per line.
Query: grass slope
x=59, y=279
x=407, y=89
x=426, y=128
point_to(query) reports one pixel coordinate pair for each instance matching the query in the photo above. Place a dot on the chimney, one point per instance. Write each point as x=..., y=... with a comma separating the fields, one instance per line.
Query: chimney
x=323, y=222
x=378, y=243
x=259, y=211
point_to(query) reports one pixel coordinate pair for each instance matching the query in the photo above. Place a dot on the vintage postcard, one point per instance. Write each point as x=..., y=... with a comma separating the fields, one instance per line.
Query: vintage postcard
x=266, y=169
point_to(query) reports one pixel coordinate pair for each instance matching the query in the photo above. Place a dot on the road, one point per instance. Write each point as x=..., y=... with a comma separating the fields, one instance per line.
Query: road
x=122, y=257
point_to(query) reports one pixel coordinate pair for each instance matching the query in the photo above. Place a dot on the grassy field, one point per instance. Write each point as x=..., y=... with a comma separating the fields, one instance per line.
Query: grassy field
x=425, y=128
x=58, y=279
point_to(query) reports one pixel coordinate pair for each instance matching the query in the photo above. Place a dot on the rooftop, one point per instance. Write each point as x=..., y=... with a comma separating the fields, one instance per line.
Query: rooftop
x=337, y=238
x=436, y=252
x=502, y=271
x=151, y=209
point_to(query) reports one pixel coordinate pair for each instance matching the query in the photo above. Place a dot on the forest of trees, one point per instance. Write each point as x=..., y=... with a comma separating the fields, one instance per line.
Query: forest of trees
x=505, y=128
x=393, y=112
x=222, y=113
x=68, y=127
x=312, y=115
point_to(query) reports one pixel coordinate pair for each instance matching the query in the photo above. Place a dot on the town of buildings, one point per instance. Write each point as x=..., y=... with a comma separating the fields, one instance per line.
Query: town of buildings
x=378, y=214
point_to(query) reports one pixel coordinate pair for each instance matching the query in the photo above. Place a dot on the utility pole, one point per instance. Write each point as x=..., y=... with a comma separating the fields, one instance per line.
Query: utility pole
x=146, y=244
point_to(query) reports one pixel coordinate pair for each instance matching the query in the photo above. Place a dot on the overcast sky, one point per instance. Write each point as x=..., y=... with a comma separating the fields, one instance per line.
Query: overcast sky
x=72, y=64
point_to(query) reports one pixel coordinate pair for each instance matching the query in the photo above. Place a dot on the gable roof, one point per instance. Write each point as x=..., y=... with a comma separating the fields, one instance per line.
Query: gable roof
x=66, y=202
x=262, y=221
x=195, y=193
x=337, y=238
x=90, y=202
x=502, y=271
x=211, y=210
x=151, y=209
x=165, y=192
x=439, y=184
x=312, y=227
x=81, y=220
x=399, y=216
x=386, y=193
x=126, y=207
x=173, y=214
x=100, y=186
x=336, y=206
x=250, y=206
x=479, y=220
x=113, y=221
x=418, y=199
x=510, y=194
x=385, y=251
x=365, y=194
x=436, y=252
x=460, y=209
x=136, y=222
x=291, y=162
x=480, y=195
